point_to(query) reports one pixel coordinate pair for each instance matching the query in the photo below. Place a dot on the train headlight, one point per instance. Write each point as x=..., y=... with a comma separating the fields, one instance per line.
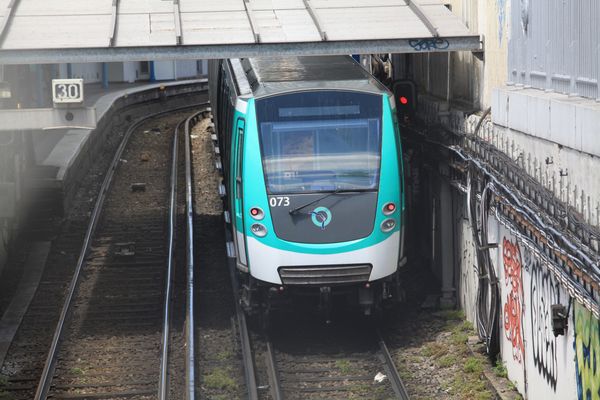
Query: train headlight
x=257, y=213
x=259, y=230
x=389, y=208
x=388, y=224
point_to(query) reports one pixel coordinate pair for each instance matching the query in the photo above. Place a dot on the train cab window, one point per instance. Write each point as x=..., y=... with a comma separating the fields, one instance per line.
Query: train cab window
x=320, y=141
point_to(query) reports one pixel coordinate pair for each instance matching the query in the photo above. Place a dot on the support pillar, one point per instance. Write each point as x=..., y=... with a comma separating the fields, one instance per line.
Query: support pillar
x=446, y=245
x=104, y=75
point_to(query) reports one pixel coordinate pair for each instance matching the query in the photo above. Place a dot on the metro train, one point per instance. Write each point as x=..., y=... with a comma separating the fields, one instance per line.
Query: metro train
x=313, y=171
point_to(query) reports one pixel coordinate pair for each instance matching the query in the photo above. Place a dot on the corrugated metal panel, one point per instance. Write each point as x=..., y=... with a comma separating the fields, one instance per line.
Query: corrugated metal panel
x=378, y=23
x=68, y=31
x=146, y=30
x=554, y=46
x=422, y=25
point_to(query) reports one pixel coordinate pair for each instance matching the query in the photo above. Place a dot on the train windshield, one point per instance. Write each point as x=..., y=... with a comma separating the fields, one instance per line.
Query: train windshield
x=320, y=141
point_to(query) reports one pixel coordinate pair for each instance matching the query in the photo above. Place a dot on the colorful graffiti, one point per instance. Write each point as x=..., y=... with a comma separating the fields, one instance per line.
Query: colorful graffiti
x=587, y=353
x=513, y=307
x=544, y=293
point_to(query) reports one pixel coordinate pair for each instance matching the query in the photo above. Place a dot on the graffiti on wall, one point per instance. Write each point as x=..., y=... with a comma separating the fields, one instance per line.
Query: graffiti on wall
x=429, y=44
x=501, y=8
x=513, y=307
x=544, y=293
x=587, y=353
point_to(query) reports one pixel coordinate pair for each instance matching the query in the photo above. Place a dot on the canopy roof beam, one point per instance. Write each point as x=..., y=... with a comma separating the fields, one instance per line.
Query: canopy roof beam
x=166, y=53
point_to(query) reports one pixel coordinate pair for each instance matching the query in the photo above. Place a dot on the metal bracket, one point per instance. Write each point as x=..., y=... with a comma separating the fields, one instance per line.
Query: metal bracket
x=47, y=119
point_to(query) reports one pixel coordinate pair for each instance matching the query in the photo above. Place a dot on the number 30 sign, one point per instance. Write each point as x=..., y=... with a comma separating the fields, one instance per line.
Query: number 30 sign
x=67, y=91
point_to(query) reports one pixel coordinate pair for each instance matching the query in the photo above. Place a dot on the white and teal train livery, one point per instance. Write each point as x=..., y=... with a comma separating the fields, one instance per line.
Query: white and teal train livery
x=312, y=166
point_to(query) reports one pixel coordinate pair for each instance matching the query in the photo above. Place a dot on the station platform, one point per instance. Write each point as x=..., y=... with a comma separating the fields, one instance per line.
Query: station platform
x=63, y=156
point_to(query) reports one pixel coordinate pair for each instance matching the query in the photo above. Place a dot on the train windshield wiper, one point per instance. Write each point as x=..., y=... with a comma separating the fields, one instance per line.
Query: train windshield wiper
x=336, y=191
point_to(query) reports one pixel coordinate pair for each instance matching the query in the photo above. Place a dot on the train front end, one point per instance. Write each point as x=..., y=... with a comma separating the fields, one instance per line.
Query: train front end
x=322, y=200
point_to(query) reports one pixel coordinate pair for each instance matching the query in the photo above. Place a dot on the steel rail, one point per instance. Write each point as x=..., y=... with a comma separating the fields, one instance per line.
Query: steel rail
x=50, y=364
x=164, y=359
x=392, y=372
x=190, y=374
x=276, y=389
x=246, y=347
x=246, y=351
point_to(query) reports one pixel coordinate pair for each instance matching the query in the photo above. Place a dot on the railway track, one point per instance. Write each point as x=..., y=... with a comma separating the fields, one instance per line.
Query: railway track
x=318, y=368
x=112, y=337
x=111, y=341
x=304, y=361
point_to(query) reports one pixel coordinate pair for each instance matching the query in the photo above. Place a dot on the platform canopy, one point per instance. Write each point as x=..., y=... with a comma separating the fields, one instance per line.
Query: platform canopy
x=43, y=31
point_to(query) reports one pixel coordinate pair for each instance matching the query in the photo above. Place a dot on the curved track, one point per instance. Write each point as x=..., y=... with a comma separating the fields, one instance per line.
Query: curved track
x=112, y=337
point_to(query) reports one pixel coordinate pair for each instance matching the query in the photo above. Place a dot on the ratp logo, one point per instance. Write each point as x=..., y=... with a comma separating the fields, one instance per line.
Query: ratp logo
x=321, y=217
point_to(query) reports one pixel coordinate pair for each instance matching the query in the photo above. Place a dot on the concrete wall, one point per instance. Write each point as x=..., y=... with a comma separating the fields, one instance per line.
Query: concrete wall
x=186, y=69
x=551, y=136
x=130, y=71
x=540, y=365
x=559, y=149
x=166, y=70
x=13, y=163
x=462, y=76
x=90, y=72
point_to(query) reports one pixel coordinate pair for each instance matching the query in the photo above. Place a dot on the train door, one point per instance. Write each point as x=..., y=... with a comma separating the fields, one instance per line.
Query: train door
x=240, y=240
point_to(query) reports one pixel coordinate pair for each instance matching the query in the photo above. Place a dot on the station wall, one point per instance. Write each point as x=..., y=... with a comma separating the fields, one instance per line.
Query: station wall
x=89, y=72
x=164, y=70
x=540, y=365
x=463, y=76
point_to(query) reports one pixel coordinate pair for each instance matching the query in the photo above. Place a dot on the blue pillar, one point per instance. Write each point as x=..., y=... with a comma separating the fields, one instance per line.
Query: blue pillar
x=152, y=72
x=40, y=85
x=69, y=71
x=105, y=75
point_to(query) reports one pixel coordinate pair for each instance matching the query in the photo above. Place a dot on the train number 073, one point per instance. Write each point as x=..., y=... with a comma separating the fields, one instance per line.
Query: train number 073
x=279, y=201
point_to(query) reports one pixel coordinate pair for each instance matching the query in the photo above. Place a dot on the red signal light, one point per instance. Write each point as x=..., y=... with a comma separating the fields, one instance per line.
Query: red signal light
x=391, y=207
x=403, y=100
x=254, y=211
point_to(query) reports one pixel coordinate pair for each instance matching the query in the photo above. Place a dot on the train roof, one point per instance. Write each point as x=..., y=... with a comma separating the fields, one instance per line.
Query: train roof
x=269, y=76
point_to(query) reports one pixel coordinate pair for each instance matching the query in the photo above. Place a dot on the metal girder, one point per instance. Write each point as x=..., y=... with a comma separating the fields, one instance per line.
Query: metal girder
x=113, y=22
x=47, y=118
x=177, y=15
x=316, y=19
x=8, y=13
x=419, y=12
x=252, y=20
x=167, y=53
